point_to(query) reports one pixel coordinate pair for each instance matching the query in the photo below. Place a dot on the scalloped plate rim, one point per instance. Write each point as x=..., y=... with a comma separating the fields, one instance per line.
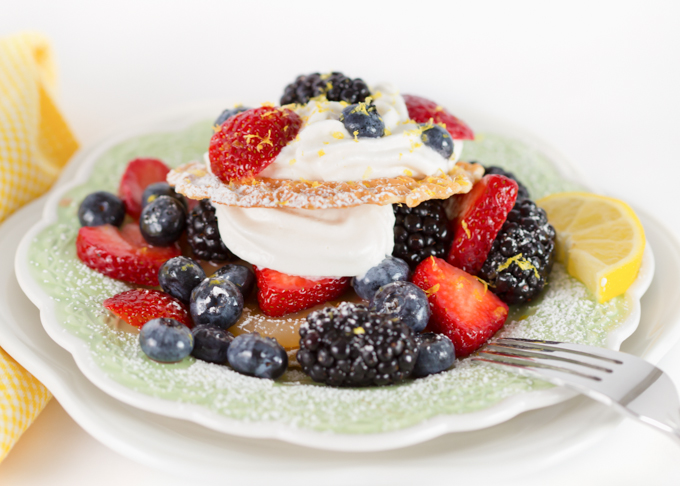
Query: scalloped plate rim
x=182, y=117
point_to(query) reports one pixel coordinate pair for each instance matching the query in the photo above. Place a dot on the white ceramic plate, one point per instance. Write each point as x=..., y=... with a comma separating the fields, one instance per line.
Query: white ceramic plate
x=531, y=441
x=423, y=431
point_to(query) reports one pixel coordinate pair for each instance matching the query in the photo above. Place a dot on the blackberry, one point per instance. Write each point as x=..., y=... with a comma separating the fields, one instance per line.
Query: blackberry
x=522, y=193
x=203, y=235
x=522, y=254
x=421, y=232
x=336, y=87
x=349, y=345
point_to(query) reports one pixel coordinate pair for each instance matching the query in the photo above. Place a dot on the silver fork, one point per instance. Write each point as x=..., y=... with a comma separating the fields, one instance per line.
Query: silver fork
x=628, y=383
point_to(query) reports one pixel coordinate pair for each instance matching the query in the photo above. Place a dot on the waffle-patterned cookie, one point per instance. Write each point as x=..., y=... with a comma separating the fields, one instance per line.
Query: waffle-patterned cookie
x=195, y=182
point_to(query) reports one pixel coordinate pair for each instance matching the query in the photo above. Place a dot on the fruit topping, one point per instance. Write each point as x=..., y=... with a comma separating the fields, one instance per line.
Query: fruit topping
x=423, y=110
x=122, y=254
x=258, y=356
x=247, y=143
x=389, y=270
x=522, y=191
x=216, y=302
x=438, y=139
x=599, y=239
x=280, y=294
x=163, y=221
x=166, y=340
x=179, y=276
x=138, y=306
x=522, y=254
x=404, y=302
x=421, y=231
x=156, y=189
x=137, y=176
x=463, y=308
x=335, y=86
x=211, y=343
x=435, y=354
x=101, y=208
x=204, y=235
x=351, y=346
x=478, y=216
x=240, y=275
x=228, y=113
x=363, y=121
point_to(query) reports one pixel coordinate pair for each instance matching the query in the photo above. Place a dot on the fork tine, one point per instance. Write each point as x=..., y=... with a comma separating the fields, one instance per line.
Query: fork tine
x=543, y=366
x=557, y=355
x=579, y=349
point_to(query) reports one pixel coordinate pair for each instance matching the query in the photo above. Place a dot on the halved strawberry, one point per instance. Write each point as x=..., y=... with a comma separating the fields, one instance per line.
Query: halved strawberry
x=423, y=110
x=139, y=174
x=463, y=308
x=280, y=294
x=139, y=306
x=477, y=218
x=122, y=254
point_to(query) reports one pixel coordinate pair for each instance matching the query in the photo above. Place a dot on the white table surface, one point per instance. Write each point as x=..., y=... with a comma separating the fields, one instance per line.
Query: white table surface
x=599, y=82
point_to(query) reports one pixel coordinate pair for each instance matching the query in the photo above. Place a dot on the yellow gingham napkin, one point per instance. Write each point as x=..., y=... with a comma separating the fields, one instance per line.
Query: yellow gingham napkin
x=35, y=143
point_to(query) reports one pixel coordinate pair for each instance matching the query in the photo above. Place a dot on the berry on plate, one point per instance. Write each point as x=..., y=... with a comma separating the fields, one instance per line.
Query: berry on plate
x=122, y=254
x=349, y=345
x=179, y=276
x=389, y=270
x=157, y=189
x=217, y=302
x=463, y=308
x=438, y=139
x=139, y=174
x=435, y=354
x=258, y=356
x=100, y=208
x=166, y=340
x=363, y=121
x=403, y=301
x=211, y=343
x=478, y=216
x=421, y=231
x=280, y=294
x=138, y=306
x=240, y=275
x=163, y=221
x=203, y=234
x=248, y=142
x=423, y=110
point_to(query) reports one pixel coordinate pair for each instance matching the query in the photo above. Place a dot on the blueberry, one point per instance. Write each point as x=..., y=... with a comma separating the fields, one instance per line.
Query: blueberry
x=101, y=208
x=217, y=302
x=156, y=189
x=211, y=343
x=166, y=340
x=362, y=120
x=163, y=221
x=228, y=113
x=435, y=353
x=404, y=301
x=242, y=276
x=438, y=139
x=179, y=276
x=254, y=355
x=389, y=270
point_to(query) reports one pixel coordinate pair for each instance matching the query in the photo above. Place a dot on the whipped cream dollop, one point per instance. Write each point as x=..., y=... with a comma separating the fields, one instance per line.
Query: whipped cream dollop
x=309, y=242
x=325, y=151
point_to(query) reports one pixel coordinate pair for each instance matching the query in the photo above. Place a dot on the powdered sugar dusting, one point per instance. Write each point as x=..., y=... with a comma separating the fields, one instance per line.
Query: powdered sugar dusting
x=565, y=311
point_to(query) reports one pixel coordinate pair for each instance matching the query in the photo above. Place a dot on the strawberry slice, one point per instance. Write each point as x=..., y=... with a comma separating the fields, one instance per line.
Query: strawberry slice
x=463, y=308
x=477, y=218
x=139, y=174
x=139, y=306
x=280, y=294
x=122, y=254
x=423, y=110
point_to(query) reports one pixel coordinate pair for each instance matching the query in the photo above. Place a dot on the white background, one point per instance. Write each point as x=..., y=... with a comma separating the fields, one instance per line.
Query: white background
x=599, y=81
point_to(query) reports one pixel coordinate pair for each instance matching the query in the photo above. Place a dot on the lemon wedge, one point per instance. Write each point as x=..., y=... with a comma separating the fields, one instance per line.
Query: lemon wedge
x=599, y=239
